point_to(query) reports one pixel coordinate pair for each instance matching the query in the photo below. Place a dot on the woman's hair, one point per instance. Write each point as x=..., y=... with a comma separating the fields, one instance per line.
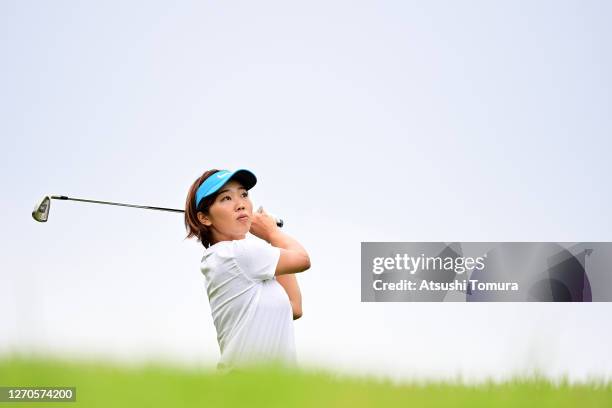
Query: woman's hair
x=194, y=227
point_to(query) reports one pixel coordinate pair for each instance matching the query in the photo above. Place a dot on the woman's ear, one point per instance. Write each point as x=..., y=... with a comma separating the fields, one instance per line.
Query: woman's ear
x=204, y=219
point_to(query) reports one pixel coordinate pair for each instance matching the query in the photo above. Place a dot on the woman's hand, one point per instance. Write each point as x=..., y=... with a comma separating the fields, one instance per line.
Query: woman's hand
x=263, y=224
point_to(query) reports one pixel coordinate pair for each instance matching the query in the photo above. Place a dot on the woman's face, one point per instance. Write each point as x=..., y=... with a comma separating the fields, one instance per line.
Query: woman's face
x=231, y=213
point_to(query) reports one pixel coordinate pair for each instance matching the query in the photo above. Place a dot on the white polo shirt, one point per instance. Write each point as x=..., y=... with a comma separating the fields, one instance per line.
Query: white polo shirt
x=250, y=309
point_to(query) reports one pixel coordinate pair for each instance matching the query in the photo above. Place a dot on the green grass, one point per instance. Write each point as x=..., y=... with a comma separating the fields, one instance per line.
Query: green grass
x=101, y=384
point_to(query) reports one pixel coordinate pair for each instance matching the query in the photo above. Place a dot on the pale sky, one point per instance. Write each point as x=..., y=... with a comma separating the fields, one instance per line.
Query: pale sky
x=363, y=121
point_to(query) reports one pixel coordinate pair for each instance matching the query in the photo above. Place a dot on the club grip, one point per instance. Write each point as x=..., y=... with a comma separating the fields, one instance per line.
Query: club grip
x=279, y=222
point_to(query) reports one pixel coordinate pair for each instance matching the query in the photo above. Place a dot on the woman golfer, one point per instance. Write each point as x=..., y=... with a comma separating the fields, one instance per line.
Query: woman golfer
x=253, y=292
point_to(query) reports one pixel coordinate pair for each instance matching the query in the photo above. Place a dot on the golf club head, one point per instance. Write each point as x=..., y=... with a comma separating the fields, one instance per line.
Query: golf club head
x=41, y=211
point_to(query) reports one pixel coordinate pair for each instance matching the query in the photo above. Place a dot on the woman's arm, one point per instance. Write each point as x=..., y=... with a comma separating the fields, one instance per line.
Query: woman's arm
x=290, y=284
x=293, y=256
x=263, y=226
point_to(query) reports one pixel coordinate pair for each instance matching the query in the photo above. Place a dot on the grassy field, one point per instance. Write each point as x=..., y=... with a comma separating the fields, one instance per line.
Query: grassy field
x=101, y=384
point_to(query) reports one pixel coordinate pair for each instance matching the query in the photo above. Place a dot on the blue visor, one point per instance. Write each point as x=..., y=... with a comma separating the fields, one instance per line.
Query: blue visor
x=217, y=180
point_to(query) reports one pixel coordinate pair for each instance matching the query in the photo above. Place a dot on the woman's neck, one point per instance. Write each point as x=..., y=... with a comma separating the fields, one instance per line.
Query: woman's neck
x=222, y=237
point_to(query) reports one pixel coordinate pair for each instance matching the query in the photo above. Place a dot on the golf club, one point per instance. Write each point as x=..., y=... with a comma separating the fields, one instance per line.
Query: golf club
x=41, y=211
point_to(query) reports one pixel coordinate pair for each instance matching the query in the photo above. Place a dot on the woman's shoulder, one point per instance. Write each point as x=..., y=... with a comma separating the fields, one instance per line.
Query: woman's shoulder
x=253, y=256
x=219, y=248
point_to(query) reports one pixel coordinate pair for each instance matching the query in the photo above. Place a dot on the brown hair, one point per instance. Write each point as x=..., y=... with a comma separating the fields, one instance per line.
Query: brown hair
x=194, y=227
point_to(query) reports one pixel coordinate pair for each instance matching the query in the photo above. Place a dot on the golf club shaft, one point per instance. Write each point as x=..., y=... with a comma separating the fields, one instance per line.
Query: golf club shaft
x=120, y=204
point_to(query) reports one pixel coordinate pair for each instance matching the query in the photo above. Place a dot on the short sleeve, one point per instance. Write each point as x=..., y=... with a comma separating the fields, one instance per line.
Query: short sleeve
x=256, y=258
